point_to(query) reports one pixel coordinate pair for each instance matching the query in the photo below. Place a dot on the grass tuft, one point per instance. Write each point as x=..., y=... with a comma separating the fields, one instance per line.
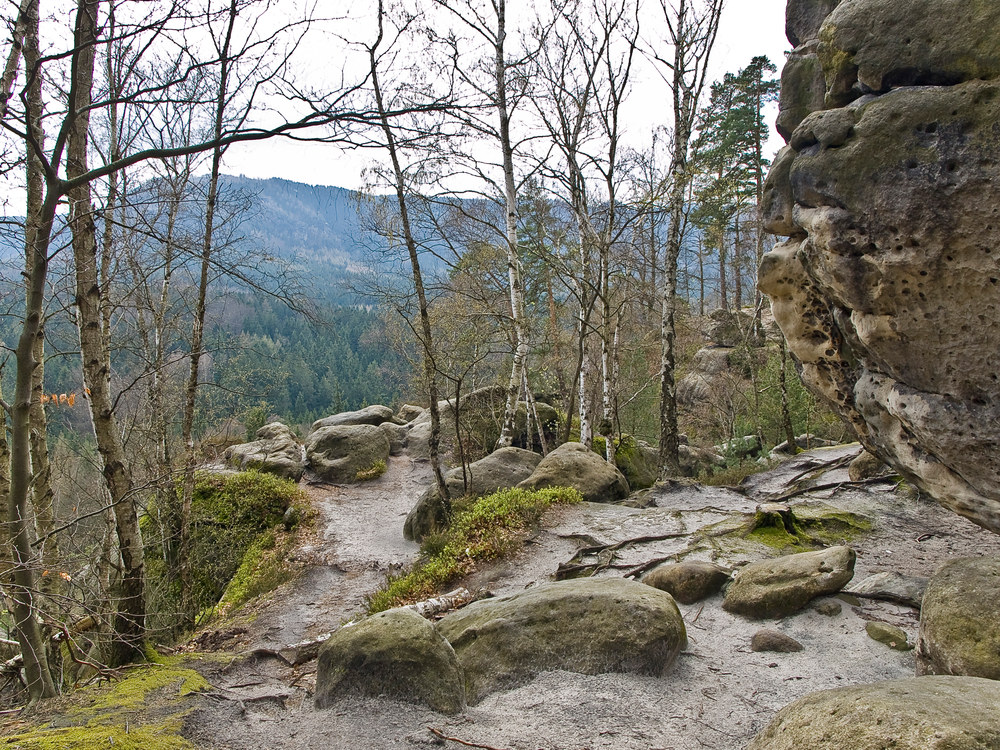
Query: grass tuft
x=492, y=528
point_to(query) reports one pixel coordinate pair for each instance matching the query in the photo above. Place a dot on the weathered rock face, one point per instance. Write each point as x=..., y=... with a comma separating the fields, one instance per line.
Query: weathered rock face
x=589, y=626
x=960, y=620
x=777, y=588
x=397, y=654
x=275, y=451
x=919, y=713
x=575, y=465
x=888, y=288
x=343, y=452
x=501, y=469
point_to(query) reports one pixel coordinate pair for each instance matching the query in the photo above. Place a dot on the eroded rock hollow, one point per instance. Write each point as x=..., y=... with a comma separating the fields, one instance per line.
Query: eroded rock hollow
x=888, y=192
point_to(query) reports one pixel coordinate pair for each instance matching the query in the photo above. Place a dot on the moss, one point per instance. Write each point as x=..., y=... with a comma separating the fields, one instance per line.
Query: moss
x=492, y=528
x=374, y=471
x=133, y=692
x=263, y=569
x=152, y=737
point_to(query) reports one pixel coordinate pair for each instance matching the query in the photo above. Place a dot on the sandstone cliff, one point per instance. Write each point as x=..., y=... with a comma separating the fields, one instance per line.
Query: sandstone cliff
x=888, y=286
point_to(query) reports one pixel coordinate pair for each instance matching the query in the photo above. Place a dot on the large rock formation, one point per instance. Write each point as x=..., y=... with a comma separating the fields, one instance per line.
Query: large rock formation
x=888, y=286
x=345, y=453
x=575, y=465
x=275, y=451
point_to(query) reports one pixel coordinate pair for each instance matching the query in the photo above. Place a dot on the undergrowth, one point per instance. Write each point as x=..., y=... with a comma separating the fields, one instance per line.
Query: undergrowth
x=493, y=527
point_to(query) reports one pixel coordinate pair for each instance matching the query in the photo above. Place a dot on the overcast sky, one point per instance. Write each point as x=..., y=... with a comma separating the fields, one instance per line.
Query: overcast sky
x=749, y=28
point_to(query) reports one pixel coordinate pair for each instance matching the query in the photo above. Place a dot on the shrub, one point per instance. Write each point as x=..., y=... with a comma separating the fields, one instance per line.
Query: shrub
x=492, y=528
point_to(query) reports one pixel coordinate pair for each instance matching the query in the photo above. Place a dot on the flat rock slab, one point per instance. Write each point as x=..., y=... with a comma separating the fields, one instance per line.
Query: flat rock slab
x=919, y=713
x=373, y=415
x=891, y=587
x=588, y=626
x=960, y=620
x=397, y=654
x=782, y=586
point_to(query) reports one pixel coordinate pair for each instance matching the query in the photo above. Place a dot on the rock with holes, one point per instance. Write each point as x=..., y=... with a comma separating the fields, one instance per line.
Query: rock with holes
x=888, y=288
x=918, y=713
x=396, y=654
x=782, y=586
x=960, y=620
x=588, y=626
x=347, y=453
x=275, y=451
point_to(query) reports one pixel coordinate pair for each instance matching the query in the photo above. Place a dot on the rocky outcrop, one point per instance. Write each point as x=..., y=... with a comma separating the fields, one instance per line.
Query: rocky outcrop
x=397, y=654
x=960, y=620
x=887, y=286
x=688, y=582
x=589, y=626
x=501, y=469
x=919, y=713
x=373, y=415
x=575, y=465
x=275, y=451
x=774, y=641
x=344, y=453
x=780, y=587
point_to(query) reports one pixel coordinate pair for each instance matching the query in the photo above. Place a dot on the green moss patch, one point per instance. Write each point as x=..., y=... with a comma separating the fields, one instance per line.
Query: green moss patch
x=374, y=471
x=492, y=528
x=144, y=710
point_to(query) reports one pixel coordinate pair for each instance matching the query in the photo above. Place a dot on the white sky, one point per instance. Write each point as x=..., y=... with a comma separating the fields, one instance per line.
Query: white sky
x=749, y=28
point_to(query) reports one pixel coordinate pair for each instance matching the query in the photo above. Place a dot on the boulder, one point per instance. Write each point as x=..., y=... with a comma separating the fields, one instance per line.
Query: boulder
x=342, y=452
x=803, y=89
x=960, y=620
x=396, y=654
x=803, y=18
x=774, y=641
x=708, y=364
x=888, y=291
x=866, y=466
x=728, y=328
x=688, y=582
x=275, y=451
x=588, y=626
x=782, y=586
x=575, y=465
x=918, y=713
x=409, y=412
x=499, y=470
x=637, y=461
x=873, y=46
x=373, y=415
x=891, y=587
x=397, y=435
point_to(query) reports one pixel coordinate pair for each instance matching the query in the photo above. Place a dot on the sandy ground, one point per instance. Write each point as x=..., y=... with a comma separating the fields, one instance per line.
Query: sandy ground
x=718, y=693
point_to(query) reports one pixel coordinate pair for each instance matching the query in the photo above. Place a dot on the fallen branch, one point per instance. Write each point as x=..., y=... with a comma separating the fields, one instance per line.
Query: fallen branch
x=832, y=486
x=446, y=602
x=442, y=736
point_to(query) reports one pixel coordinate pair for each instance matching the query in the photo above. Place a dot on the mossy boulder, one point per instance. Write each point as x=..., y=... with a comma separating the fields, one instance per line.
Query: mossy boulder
x=688, y=582
x=588, y=626
x=342, y=453
x=574, y=465
x=372, y=415
x=637, y=461
x=782, y=586
x=275, y=451
x=397, y=654
x=501, y=469
x=918, y=713
x=890, y=635
x=960, y=620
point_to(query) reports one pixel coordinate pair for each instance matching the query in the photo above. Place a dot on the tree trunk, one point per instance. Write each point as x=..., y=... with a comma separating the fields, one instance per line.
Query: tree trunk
x=128, y=643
